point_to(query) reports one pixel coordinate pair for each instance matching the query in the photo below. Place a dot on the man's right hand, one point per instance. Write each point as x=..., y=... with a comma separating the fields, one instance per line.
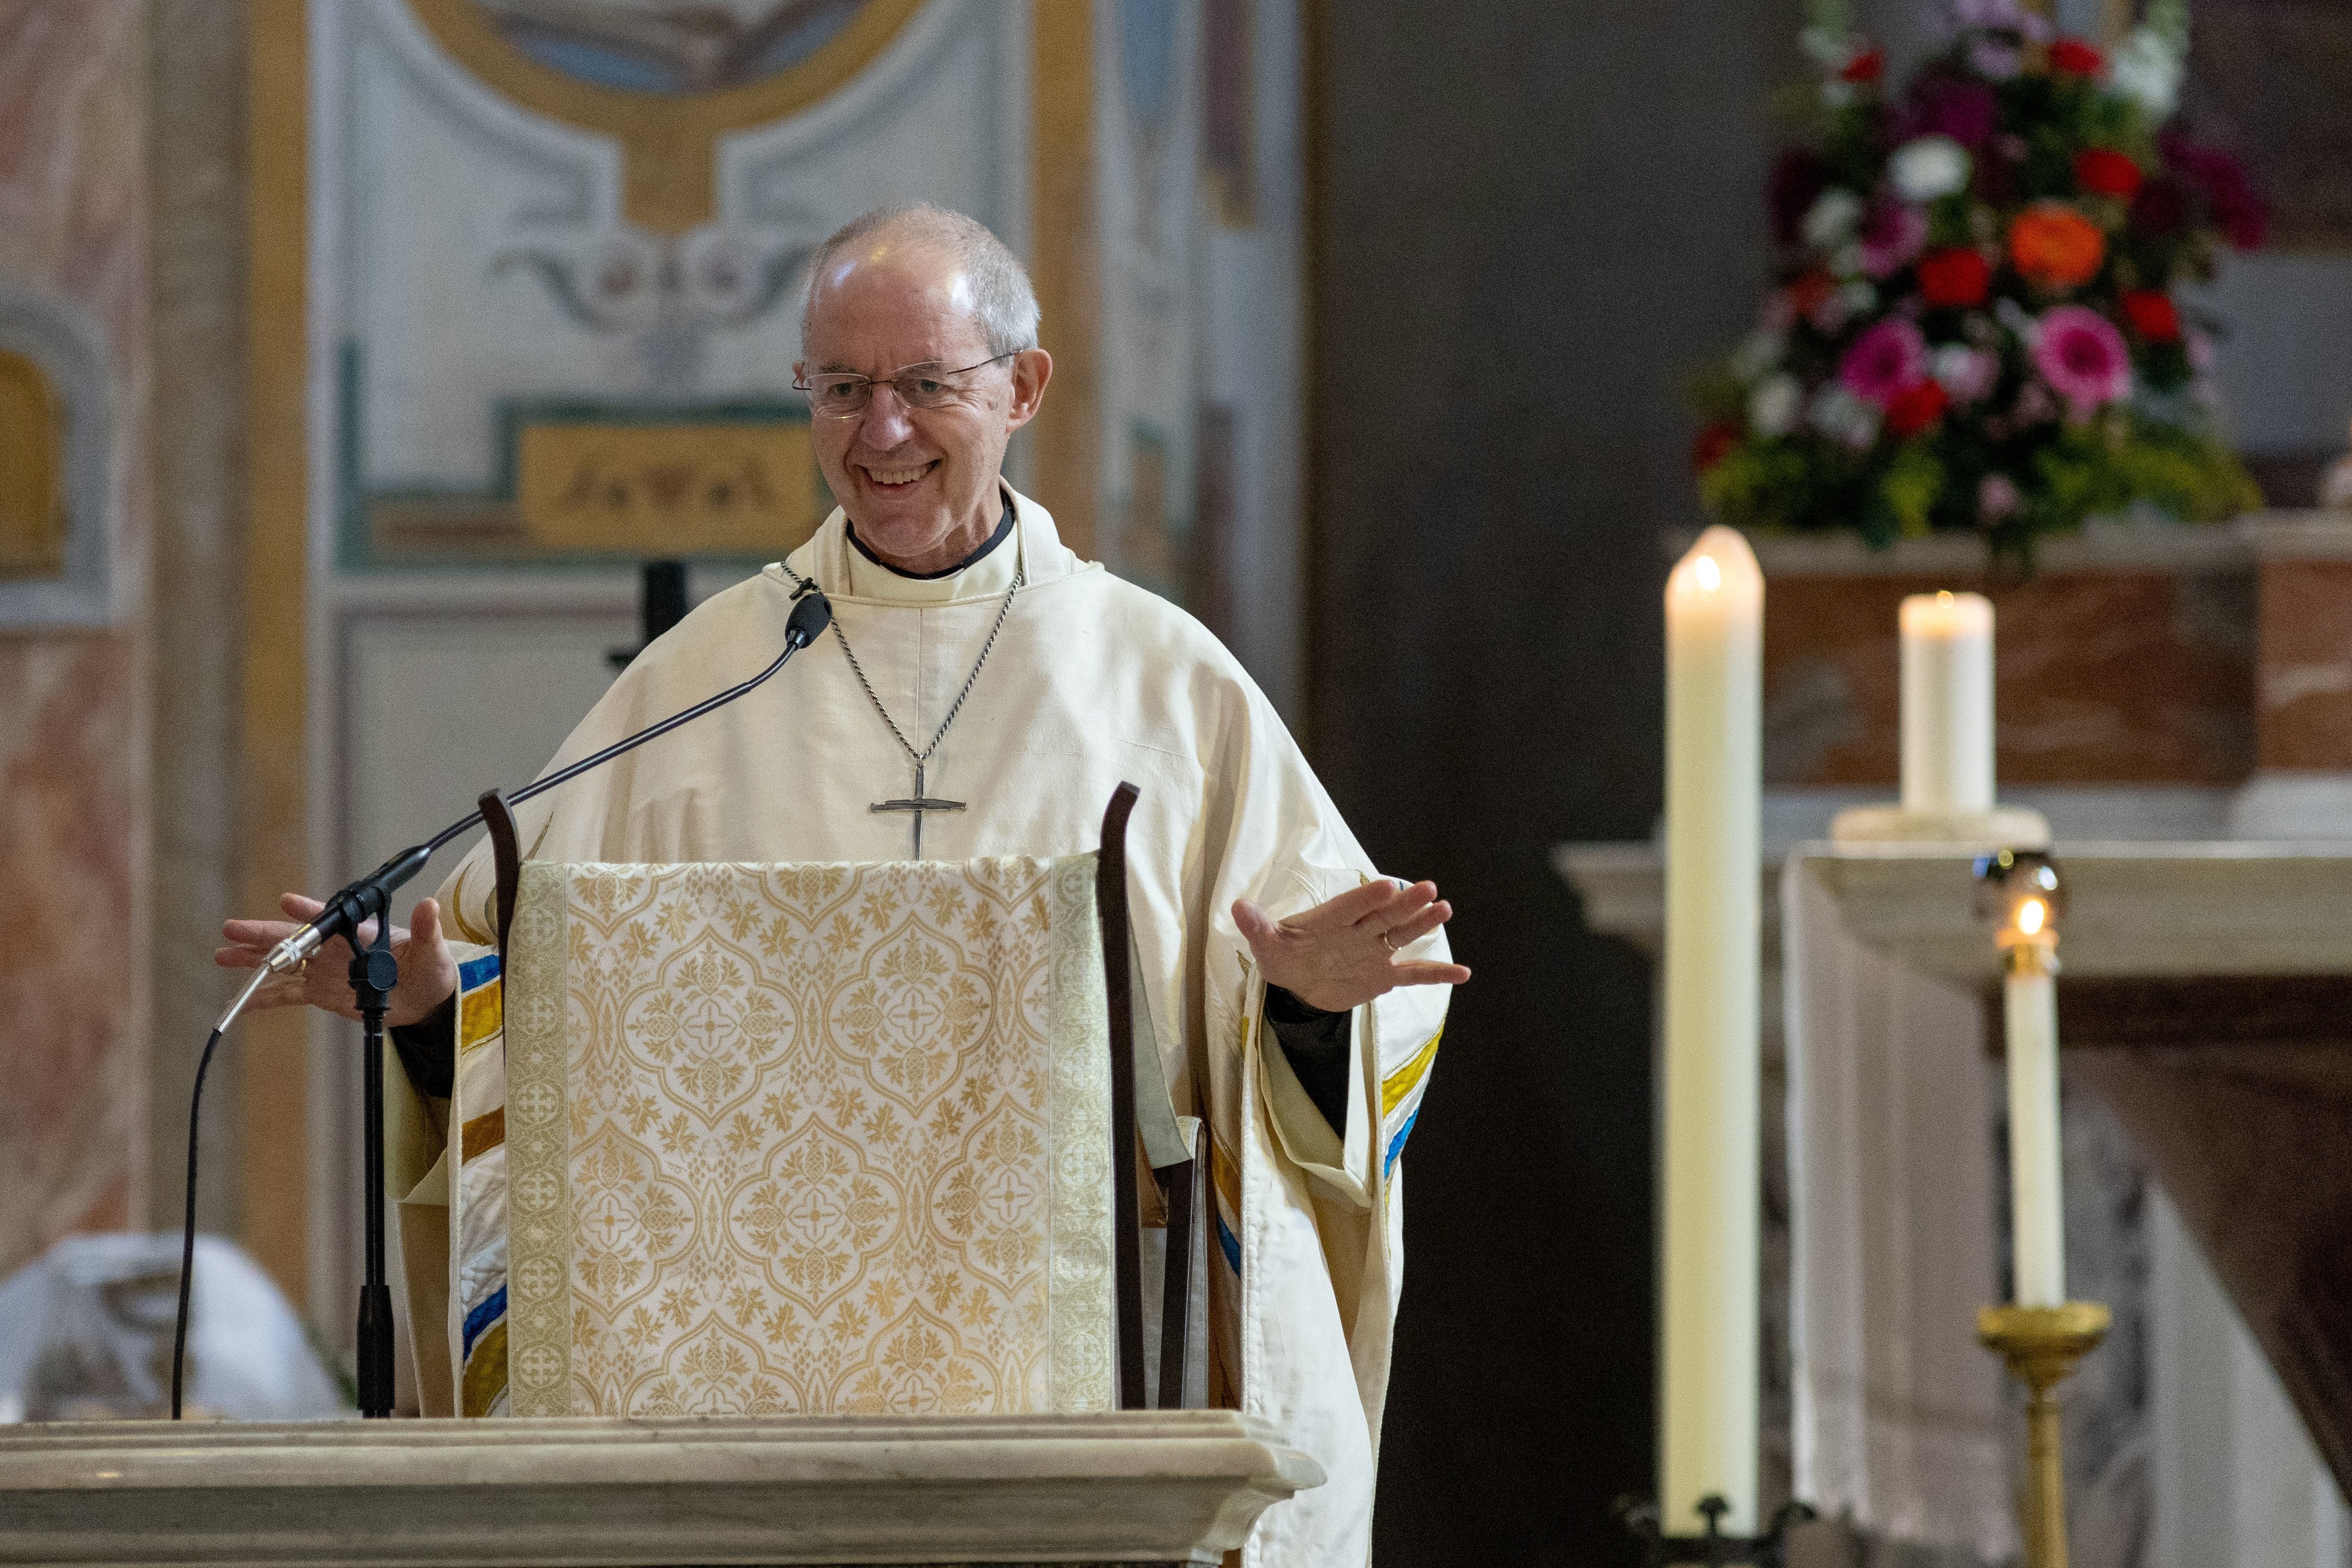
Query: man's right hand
x=428, y=971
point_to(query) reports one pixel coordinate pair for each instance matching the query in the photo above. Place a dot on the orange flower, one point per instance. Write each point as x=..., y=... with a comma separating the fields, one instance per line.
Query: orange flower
x=2055, y=248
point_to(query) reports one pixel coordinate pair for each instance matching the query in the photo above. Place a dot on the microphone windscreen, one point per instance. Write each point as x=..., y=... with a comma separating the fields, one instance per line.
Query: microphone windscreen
x=810, y=616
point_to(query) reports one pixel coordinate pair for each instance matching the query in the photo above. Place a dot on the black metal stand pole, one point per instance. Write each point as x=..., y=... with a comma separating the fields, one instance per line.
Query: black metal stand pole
x=660, y=605
x=374, y=972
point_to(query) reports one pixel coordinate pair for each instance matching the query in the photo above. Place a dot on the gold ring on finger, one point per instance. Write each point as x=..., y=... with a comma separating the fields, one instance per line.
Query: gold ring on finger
x=1386, y=942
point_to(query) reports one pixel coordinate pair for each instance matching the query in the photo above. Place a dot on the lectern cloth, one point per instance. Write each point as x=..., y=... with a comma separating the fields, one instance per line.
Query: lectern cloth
x=808, y=1140
x=1093, y=680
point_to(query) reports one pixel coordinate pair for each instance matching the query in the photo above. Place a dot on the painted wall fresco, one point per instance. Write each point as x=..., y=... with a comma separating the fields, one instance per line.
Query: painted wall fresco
x=73, y=682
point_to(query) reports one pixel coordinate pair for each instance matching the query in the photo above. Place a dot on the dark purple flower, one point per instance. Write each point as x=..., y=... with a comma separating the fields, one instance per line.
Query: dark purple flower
x=2238, y=209
x=1798, y=178
x=1893, y=234
x=2161, y=208
x=1966, y=111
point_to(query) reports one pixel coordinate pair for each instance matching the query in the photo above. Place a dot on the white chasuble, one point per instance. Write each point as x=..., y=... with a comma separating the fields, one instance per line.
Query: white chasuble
x=1091, y=681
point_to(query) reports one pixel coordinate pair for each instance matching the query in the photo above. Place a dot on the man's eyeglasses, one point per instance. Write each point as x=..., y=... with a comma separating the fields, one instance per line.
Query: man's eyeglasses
x=842, y=395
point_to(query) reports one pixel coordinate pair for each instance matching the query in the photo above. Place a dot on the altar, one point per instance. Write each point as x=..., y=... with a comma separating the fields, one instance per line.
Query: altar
x=1134, y=1486
x=2202, y=1007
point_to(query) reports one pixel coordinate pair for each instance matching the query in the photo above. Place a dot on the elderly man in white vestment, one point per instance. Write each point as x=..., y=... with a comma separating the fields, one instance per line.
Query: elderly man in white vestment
x=978, y=661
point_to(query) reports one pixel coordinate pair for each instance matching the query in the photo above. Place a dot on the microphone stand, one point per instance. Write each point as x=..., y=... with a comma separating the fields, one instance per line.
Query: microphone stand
x=374, y=972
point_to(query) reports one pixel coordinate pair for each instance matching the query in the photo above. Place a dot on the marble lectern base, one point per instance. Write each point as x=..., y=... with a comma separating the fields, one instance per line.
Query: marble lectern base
x=1133, y=1487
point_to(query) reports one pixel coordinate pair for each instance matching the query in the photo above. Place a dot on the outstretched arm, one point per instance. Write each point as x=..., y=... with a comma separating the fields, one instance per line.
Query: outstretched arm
x=1342, y=954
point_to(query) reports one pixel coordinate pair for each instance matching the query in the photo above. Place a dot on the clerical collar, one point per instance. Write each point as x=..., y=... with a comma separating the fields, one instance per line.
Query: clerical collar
x=1004, y=532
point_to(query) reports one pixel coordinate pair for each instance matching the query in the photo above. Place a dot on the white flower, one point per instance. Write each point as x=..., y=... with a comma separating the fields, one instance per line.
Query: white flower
x=1757, y=352
x=1832, y=218
x=1926, y=167
x=1829, y=47
x=1967, y=374
x=2146, y=68
x=1841, y=416
x=1773, y=407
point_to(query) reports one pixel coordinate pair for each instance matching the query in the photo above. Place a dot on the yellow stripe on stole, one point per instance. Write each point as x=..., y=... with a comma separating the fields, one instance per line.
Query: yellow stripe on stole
x=480, y=1015
x=483, y=1133
x=1226, y=1175
x=486, y=1370
x=1400, y=1083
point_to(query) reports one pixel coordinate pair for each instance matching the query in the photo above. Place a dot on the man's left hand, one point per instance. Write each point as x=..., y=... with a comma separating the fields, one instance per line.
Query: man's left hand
x=1340, y=954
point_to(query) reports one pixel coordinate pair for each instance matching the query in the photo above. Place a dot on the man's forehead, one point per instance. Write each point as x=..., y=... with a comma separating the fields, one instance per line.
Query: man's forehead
x=914, y=288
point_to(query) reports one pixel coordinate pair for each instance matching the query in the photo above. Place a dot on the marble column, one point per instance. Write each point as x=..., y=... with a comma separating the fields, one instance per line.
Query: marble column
x=196, y=52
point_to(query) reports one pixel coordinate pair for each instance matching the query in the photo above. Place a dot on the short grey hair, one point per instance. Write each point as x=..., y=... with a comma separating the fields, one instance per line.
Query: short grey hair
x=1004, y=303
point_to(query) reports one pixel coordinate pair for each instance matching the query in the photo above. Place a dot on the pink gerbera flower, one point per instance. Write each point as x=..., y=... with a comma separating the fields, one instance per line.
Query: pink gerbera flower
x=2082, y=356
x=1886, y=361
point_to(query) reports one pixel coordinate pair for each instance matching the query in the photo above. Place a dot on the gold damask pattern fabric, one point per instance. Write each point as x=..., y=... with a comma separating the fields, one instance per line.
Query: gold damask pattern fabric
x=824, y=1139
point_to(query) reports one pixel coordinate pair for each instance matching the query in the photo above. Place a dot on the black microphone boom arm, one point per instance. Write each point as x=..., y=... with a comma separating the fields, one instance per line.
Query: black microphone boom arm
x=370, y=896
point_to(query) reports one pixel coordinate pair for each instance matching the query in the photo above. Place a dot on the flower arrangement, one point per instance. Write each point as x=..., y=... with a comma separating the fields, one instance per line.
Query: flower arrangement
x=1974, y=326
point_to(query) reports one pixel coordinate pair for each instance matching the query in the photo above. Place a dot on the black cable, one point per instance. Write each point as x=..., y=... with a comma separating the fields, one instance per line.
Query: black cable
x=188, y=1229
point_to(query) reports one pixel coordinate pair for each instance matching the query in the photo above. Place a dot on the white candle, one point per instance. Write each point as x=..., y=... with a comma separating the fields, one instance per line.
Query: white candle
x=1707, y=1351
x=2037, y=1216
x=1948, y=740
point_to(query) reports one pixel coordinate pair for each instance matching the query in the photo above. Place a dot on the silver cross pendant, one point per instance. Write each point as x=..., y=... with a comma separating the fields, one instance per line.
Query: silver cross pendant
x=920, y=804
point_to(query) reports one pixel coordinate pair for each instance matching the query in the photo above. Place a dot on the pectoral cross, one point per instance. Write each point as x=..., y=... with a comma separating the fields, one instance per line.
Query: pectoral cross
x=921, y=803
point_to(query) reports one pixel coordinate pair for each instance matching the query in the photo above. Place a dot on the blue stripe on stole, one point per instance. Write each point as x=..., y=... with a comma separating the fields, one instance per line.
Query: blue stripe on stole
x=482, y=1317
x=1396, y=1144
x=1229, y=1246
x=477, y=972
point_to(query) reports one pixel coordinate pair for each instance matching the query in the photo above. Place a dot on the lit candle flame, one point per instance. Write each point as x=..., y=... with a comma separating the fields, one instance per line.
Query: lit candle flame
x=2031, y=914
x=1710, y=575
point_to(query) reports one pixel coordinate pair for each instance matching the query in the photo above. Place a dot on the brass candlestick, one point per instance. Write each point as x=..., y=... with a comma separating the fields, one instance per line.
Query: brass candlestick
x=2042, y=1345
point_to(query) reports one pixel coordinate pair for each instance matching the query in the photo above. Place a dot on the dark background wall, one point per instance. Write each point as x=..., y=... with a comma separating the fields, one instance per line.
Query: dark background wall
x=1532, y=219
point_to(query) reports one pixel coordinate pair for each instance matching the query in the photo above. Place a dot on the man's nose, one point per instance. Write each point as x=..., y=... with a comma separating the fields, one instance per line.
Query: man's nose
x=886, y=423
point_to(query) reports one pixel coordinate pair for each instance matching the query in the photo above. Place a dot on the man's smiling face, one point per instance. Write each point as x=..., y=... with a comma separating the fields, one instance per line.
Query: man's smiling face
x=920, y=484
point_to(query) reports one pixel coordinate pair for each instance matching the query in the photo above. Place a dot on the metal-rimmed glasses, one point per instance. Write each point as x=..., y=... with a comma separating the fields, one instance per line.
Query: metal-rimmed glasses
x=843, y=395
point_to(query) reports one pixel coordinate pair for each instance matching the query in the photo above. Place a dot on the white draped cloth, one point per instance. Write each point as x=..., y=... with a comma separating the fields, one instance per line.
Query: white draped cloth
x=1897, y=1412
x=1092, y=681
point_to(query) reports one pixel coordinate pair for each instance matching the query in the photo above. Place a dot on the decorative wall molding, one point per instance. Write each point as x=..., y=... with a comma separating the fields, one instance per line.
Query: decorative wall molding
x=68, y=347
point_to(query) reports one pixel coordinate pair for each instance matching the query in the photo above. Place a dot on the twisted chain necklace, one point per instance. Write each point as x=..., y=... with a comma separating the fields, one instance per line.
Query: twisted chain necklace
x=918, y=803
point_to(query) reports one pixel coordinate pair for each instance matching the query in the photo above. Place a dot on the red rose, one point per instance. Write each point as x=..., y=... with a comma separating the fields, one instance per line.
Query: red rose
x=2076, y=58
x=1713, y=444
x=2151, y=314
x=1916, y=409
x=1811, y=290
x=2106, y=174
x=1866, y=67
x=1956, y=276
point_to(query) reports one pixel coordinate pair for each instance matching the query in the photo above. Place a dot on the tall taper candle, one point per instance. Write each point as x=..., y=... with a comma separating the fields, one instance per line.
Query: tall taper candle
x=1707, y=1351
x=1946, y=719
x=2036, y=1193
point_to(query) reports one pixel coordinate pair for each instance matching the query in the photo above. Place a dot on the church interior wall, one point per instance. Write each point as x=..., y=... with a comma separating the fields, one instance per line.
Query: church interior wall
x=1509, y=288
x=75, y=713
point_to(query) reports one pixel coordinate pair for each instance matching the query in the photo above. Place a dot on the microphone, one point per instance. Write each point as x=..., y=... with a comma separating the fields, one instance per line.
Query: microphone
x=371, y=894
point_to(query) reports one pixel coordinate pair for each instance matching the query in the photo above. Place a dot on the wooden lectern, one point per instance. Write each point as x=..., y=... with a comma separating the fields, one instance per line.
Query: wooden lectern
x=824, y=1226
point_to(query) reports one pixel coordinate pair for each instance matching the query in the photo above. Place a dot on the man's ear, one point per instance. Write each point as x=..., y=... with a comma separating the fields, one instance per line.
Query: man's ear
x=1031, y=369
